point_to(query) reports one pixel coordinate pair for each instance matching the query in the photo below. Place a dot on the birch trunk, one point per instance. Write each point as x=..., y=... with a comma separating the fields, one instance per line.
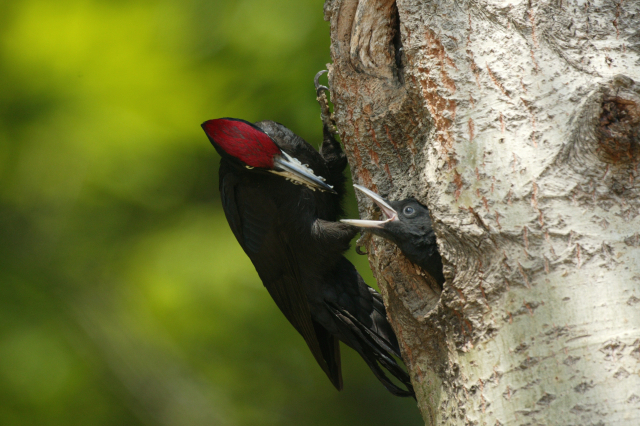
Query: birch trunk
x=518, y=124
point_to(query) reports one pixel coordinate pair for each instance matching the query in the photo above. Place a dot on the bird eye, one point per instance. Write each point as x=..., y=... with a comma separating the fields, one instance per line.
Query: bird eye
x=409, y=211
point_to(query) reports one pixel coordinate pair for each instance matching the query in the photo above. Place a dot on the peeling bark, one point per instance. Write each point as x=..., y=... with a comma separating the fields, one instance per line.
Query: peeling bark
x=518, y=124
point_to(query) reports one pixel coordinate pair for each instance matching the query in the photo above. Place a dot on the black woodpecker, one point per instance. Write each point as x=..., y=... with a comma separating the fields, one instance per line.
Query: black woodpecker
x=282, y=199
x=408, y=225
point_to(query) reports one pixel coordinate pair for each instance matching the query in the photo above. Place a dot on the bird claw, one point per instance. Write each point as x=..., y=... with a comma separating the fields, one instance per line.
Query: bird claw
x=362, y=242
x=320, y=89
x=325, y=112
x=316, y=82
x=360, y=252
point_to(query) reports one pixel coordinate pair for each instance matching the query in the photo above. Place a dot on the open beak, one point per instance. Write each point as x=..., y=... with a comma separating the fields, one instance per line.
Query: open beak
x=388, y=211
x=297, y=172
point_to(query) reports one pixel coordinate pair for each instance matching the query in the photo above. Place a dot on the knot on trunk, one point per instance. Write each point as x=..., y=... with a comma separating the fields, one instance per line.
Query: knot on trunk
x=607, y=130
x=619, y=130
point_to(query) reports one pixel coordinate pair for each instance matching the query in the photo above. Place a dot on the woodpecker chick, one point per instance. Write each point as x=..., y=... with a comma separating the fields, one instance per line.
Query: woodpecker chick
x=408, y=225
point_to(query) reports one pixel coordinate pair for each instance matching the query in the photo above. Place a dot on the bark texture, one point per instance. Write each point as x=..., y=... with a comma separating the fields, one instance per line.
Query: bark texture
x=518, y=124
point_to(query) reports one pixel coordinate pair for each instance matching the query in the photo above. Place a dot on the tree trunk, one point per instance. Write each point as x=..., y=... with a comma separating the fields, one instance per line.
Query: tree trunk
x=518, y=124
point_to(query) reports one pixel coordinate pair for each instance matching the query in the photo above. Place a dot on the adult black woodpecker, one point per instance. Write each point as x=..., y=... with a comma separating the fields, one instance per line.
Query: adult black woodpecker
x=282, y=200
x=408, y=225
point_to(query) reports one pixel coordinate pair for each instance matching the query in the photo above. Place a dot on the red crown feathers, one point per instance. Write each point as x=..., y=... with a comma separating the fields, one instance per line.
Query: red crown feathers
x=242, y=140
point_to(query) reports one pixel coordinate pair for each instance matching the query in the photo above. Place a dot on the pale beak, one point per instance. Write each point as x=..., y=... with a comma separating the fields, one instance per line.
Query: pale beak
x=297, y=172
x=388, y=211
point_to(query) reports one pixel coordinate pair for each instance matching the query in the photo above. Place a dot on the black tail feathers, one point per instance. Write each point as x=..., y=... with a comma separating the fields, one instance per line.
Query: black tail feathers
x=375, y=349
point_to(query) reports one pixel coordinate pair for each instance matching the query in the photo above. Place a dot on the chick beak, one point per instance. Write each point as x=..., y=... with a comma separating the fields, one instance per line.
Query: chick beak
x=389, y=213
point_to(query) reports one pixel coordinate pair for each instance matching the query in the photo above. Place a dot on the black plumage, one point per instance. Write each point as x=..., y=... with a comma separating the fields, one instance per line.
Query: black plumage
x=407, y=223
x=287, y=225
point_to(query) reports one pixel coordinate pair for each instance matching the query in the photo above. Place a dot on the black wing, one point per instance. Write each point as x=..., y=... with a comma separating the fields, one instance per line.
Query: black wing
x=254, y=225
x=362, y=324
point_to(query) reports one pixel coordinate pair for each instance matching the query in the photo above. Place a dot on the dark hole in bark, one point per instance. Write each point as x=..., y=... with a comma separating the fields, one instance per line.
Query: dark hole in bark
x=619, y=130
x=397, y=43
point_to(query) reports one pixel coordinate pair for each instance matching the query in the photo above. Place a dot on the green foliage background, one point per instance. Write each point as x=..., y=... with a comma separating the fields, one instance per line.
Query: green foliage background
x=124, y=297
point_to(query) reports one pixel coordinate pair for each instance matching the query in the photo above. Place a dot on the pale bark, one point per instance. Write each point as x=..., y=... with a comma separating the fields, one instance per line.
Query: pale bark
x=517, y=123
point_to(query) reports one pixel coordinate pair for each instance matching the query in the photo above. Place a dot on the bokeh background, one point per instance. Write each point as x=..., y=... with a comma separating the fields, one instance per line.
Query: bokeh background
x=124, y=297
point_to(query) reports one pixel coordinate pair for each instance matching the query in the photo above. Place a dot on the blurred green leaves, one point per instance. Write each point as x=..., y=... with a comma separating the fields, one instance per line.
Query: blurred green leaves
x=124, y=297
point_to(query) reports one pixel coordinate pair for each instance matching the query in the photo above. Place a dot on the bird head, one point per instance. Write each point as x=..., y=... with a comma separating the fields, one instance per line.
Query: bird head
x=404, y=221
x=407, y=224
x=249, y=145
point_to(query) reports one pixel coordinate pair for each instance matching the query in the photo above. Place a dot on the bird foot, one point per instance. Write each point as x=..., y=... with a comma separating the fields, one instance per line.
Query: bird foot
x=363, y=241
x=316, y=82
x=325, y=113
